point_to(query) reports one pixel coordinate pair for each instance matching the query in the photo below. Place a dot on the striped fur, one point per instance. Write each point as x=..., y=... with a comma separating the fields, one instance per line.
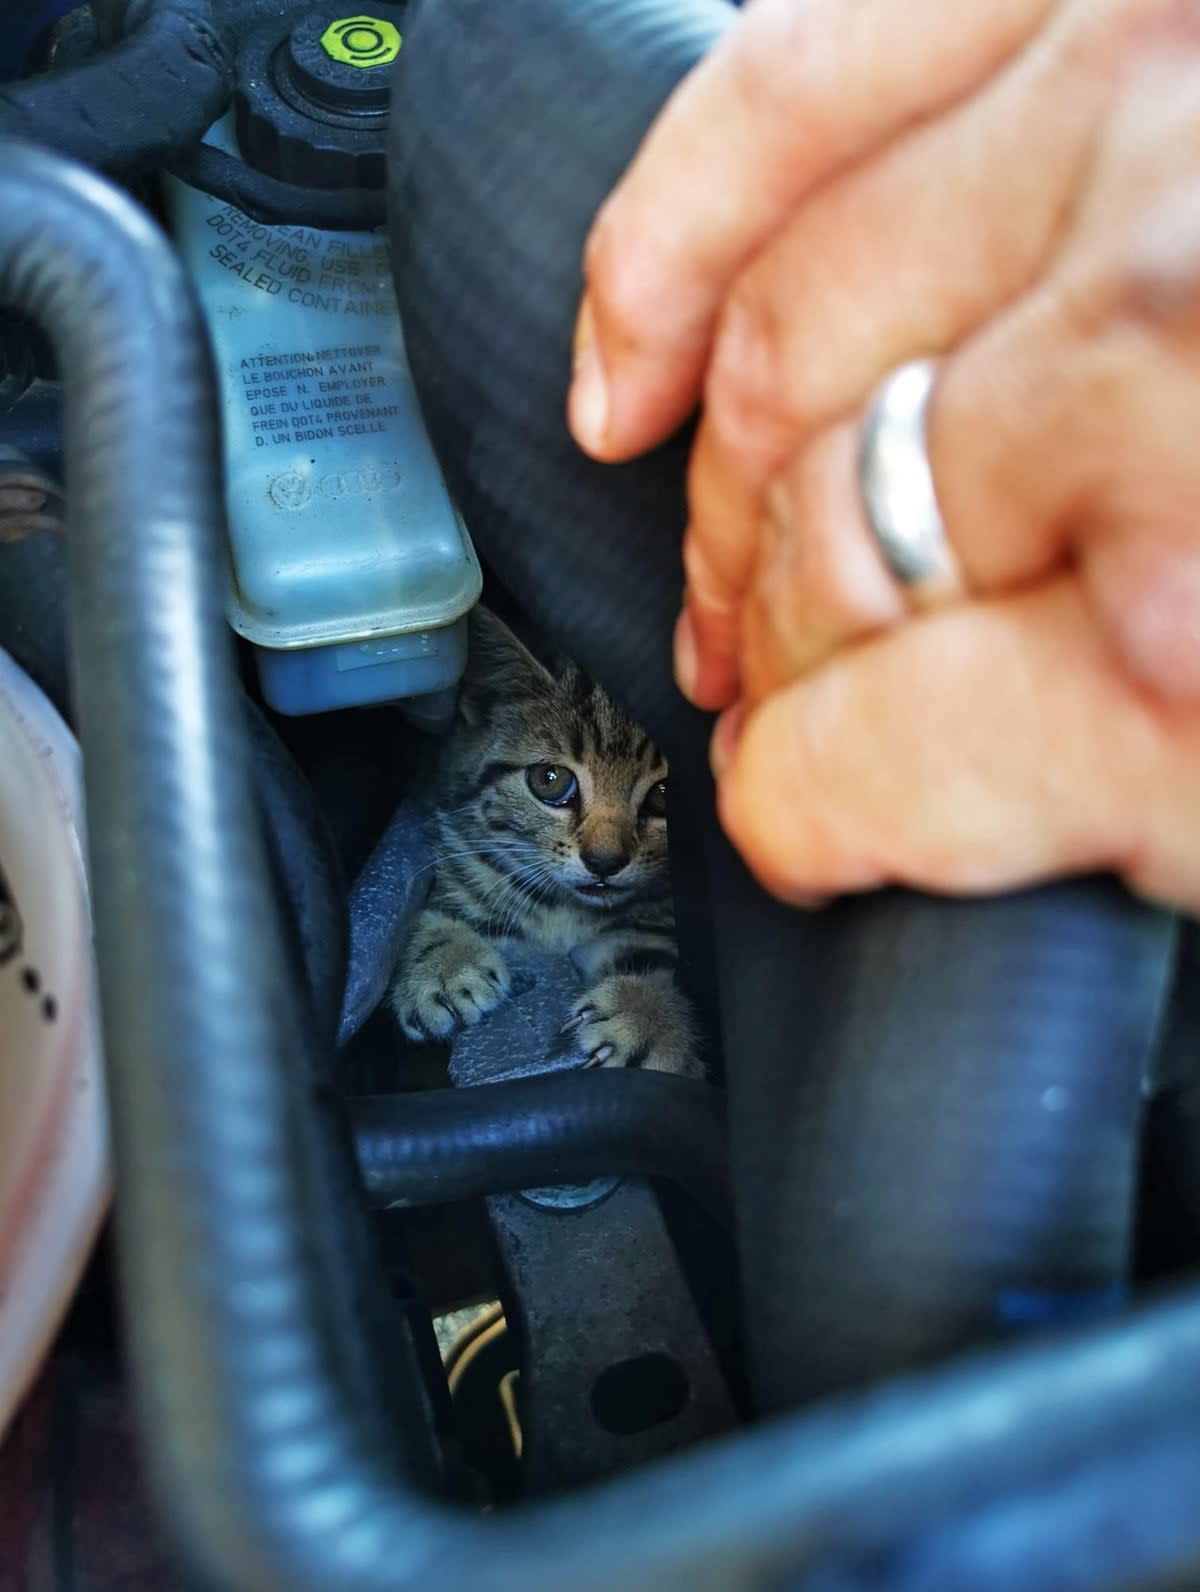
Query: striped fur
x=511, y=867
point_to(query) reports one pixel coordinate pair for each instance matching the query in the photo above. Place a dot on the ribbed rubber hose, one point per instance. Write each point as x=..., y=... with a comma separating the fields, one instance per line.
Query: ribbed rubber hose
x=426, y=1149
x=132, y=107
x=934, y=1105
x=274, y=202
x=269, y=1433
x=305, y=863
x=227, y=1167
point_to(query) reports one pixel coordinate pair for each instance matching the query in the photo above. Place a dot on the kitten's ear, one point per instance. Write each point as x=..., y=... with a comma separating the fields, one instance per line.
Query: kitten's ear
x=499, y=668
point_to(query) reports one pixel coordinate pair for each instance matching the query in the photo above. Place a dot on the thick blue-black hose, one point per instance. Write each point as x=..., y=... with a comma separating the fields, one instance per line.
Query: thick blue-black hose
x=273, y=1439
x=273, y=201
x=132, y=107
x=162, y=77
x=230, y=1164
x=935, y=1105
x=305, y=863
x=429, y=1148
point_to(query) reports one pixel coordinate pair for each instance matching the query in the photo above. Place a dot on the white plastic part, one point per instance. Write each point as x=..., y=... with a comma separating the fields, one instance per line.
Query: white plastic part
x=343, y=535
x=54, y=1170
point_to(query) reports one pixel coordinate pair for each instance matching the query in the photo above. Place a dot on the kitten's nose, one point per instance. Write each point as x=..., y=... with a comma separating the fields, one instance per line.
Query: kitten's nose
x=604, y=861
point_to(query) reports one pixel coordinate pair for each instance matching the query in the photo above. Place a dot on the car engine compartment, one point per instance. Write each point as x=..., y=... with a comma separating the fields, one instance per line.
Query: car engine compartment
x=903, y=1295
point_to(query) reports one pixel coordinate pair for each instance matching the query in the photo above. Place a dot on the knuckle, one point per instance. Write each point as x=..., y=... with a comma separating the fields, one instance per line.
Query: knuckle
x=711, y=584
x=625, y=272
x=747, y=374
x=1157, y=271
x=1116, y=29
x=782, y=52
x=758, y=648
x=1097, y=41
x=824, y=572
x=764, y=393
x=597, y=241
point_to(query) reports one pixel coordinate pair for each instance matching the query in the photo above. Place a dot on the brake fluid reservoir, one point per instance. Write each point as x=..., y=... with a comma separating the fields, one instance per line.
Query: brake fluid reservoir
x=350, y=570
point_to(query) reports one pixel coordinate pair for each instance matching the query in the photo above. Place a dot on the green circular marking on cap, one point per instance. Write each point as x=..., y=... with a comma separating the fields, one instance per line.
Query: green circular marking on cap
x=362, y=41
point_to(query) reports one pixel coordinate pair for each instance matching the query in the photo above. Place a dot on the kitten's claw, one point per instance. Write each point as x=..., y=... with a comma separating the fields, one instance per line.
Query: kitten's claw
x=450, y=979
x=578, y=1017
x=632, y=1020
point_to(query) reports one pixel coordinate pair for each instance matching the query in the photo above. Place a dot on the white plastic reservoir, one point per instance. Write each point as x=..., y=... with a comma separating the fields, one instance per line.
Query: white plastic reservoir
x=351, y=572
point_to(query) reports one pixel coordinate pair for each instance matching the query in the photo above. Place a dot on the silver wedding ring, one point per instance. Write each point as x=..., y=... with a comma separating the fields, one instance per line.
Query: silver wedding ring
x=898, y=491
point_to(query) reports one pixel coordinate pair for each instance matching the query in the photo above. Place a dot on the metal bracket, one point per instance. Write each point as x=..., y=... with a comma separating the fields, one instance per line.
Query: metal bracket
x=618, y=1365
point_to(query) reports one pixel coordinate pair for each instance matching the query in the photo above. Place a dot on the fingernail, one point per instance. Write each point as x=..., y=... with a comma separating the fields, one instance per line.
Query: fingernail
x=587, y=405
x=725, y=738
x=687, y=663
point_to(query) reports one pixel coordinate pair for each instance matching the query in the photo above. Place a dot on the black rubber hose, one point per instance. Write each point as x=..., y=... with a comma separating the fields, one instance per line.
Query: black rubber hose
x=270, y=1441
x=308, y=871
x=218, y=1115
x=274, y=202
x=934, y=1104
x=133, y=107
x=1004, y=1097
x=453, y=1144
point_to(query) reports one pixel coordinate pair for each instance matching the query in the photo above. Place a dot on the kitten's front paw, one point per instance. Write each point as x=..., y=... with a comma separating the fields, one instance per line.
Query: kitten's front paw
x=450, y=979
x=633, y=1020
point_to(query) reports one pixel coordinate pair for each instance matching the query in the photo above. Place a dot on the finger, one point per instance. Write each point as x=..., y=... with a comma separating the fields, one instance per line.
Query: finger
x=1064, y=430
x=706, y=653
x=974, y=750
x=1008, y=438
x=820, y=579
x=1068, y=430
x=1055, y=436
x=794, y=92
x=904, y=256
x=707, y=633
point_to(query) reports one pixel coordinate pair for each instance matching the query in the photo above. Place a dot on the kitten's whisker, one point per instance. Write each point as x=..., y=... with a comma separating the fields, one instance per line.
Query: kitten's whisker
x=533, y=881
x=506, y=906
x=507, y=850
x=500, y=888
x=519, y=900
x=522, y=882
x=494, y=843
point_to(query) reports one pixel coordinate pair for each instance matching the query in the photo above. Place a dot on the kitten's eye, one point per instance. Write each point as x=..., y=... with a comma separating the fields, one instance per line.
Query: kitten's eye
x=655, y=803
x=552, y=783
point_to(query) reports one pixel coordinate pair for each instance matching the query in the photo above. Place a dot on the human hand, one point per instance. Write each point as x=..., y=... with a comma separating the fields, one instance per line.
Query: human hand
x=1043, y=230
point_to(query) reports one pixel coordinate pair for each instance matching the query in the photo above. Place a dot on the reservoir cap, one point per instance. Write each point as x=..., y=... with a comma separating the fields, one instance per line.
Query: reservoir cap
x=362, y=42
x=312, y=94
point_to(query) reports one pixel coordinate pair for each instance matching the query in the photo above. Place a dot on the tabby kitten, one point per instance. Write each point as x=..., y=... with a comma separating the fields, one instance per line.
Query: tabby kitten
x=551, y=829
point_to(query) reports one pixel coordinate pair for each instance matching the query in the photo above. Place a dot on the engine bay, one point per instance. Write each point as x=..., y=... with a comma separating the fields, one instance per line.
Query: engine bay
x=500, y=1194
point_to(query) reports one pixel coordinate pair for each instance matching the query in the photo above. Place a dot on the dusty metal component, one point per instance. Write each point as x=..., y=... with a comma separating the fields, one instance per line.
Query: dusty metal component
x=618, y=1367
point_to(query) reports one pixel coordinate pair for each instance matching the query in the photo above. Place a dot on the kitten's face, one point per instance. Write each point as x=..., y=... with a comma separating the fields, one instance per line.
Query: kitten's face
x=566, y=786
